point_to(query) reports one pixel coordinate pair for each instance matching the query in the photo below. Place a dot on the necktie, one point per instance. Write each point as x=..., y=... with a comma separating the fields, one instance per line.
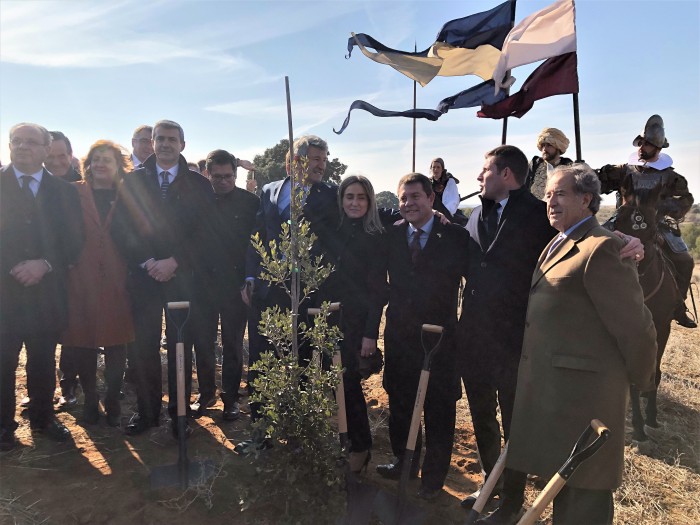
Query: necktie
x=415, y=247
x=556, y=243
x=492, y=223
x=26, y=188
x=166, y=184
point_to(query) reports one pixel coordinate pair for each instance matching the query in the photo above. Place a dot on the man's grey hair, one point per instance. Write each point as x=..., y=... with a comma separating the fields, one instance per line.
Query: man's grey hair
x=41, y=129
x=168, y=124
x=585, y=181
x=143, y=127
x=302, y=144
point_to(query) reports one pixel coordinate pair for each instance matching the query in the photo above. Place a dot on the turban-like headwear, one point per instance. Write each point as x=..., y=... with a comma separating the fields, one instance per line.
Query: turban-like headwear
x=554, y=137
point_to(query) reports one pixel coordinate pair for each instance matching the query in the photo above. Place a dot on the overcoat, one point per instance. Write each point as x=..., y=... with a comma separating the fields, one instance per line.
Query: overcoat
x=52, y=230
x=99, y=310
x=588, y=336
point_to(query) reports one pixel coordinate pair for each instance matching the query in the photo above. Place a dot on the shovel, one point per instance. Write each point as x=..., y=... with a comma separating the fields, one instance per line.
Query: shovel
x=184, y=473
x=578, y=455
x=487, y=489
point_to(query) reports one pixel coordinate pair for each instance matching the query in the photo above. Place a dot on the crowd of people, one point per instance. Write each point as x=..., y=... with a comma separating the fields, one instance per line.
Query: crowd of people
x=90, y=262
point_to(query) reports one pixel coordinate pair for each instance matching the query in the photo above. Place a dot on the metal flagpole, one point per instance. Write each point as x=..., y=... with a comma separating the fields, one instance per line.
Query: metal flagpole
x=293, y=226
x=577, y=129
x=504, y=133
x=413, y=164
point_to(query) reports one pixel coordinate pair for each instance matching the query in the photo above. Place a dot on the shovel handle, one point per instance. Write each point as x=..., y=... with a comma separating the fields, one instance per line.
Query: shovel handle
x=178, y=305
x=180, y=369
x=599, y=427
x=545, y=497
x=332, y=307
x=433, y=328
x=340, y=396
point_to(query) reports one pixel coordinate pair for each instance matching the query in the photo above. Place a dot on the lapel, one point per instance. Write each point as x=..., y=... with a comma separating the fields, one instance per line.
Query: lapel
x=88, y=202
x=10, y=180
x=401, y=240
x=434, y=239
x=47, y=180
x=544, y=263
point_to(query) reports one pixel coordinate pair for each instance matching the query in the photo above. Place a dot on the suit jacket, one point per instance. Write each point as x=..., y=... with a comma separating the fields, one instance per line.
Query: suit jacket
x=498, y=283
x=588, y=336
x=320, y=209
x=99, y=307
x=51, y=229
x=147, y=226
x=424, y=292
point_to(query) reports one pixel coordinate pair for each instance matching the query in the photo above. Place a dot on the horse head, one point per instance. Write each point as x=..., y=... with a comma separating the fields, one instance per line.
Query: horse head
x=637, y=214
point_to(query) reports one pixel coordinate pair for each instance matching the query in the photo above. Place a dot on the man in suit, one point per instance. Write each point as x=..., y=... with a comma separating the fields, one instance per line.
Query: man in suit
x=60, y=159
x=41, y=233
x=142, y=145
x=425, y=261
x=588, y=336
x=319, y=208
x=159, y=215
x=226, y=238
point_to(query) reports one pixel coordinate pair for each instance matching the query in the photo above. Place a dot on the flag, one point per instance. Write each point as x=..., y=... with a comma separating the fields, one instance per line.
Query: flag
x=472, y=97
x=556, y=76
x=465, y=46
x=544, y=34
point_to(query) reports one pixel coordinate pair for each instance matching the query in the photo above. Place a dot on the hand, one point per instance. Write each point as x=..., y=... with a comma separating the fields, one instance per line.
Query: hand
x=247, y=292
x=633, y=247
x=443, y=218
x=369, y=347
x=162, y=270
x=29, y=273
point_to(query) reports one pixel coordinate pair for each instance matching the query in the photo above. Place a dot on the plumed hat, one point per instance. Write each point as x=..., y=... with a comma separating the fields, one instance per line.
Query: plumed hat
x=553, y=136
x=653, y=133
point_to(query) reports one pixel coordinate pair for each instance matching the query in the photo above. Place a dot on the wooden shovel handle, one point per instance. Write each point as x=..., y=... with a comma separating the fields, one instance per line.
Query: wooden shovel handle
x=433, y=328
x=178, y=305
x=333, y=307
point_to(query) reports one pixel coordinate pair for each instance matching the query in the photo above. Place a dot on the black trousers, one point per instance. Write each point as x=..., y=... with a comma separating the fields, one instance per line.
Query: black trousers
x=683, y=263
x=484, y=398
x=83, y=363
x=572, y=506
x=228, y=306
x=149, y=299
x=41, y=376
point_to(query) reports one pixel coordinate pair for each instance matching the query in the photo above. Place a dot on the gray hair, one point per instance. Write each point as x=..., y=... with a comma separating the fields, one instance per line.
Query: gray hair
x=302, y=145
x=41, y=129
x=585, y=181
x=168, y=124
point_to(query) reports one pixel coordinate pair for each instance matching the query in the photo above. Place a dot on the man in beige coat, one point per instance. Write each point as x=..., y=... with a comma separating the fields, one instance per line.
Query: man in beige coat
x=588, y=336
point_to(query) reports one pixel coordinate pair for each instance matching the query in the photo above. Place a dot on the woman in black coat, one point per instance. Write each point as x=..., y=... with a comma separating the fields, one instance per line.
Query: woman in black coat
x=359, y=283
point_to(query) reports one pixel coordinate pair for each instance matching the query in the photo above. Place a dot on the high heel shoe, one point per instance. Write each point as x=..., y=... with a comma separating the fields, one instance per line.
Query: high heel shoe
x=359, y=461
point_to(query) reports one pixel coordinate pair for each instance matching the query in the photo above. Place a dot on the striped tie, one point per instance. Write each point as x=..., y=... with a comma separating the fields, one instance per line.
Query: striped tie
x=166, y=184
x=556, y=243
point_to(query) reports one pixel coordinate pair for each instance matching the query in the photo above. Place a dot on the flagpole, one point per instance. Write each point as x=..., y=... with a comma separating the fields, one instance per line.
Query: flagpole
x=577, y=128
x=504, y=133
x=413, y=164
x=293, y=226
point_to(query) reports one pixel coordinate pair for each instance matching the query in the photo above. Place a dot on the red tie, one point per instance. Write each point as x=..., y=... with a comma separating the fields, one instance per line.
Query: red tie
x=415, y=245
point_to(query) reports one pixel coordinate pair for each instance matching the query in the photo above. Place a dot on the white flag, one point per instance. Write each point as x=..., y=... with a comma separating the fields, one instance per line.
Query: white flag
x=544, y=34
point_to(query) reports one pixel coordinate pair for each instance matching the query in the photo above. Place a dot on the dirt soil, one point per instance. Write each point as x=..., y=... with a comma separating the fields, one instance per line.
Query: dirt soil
x=102, y=477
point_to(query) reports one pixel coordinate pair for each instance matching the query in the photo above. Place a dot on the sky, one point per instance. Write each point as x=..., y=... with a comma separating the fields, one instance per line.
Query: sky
x=98, y=69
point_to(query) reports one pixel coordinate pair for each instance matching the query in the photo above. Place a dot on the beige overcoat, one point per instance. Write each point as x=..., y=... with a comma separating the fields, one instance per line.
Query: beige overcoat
x=99, y=310
x=588, y=336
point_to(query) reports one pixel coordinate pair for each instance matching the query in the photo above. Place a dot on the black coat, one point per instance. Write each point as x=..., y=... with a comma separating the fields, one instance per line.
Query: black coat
x=498, y=285
x=423, y=293
x=52, y=229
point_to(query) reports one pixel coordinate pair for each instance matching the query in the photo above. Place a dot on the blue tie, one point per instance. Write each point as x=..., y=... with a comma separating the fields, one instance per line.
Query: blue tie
x=166, y=184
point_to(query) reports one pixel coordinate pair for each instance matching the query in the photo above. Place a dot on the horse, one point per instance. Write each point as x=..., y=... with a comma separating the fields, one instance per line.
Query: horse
x=637, y=216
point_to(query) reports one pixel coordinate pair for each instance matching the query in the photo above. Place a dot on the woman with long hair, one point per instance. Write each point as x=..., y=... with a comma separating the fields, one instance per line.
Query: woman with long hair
x=359, y=283
x=99, y=308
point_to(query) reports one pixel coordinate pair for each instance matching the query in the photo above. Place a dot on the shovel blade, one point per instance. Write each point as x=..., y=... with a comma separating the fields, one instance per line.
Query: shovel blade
x=390, y=511
x=197, y=473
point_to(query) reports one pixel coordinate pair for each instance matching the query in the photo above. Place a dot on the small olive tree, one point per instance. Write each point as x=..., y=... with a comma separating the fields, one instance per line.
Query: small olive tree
x=301, y=470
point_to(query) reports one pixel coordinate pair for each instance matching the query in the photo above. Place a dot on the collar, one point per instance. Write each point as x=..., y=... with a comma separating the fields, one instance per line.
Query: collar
x=36, y=176
x=664, y=161
x=567, y=233
x=426, y=228
x=173, y=171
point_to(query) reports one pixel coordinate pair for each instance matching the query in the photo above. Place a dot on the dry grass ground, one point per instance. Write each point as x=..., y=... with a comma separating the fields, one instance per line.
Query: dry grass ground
x=102, y=477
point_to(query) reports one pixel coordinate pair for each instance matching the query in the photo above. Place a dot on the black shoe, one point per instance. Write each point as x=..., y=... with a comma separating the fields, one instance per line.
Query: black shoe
x=200, y=406
x=393, y=470
x=232, y=411
x=137, y=425
x=251, y=446
x=468, y=502
x=428, y=494
x=503, y=515
x=67, y=400
x=682, y=318
x=7, y=440
x=25, y=402
x=54, y=431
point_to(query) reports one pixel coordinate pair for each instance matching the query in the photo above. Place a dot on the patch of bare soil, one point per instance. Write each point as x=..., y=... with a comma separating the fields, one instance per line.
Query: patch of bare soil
x=102, y=477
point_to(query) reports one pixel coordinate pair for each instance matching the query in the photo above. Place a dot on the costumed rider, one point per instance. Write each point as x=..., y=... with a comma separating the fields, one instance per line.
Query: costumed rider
x=552, y=143
x=648, y=168
x=446, y=192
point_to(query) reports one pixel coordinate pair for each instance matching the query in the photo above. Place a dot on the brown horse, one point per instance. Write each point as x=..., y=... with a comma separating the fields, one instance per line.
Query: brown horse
x=637, y=216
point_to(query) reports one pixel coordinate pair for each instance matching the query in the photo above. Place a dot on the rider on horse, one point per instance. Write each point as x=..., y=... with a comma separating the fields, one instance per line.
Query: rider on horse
x=649, y=168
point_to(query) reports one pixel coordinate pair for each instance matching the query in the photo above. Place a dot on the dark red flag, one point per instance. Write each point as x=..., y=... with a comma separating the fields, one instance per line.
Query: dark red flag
x=556, y=76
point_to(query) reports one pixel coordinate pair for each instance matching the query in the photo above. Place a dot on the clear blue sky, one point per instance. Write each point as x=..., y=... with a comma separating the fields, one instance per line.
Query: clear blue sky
x=97, y=69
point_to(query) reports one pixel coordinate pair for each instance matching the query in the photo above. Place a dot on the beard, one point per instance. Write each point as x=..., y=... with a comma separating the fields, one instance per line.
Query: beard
x=647, y=155
x=549, y=157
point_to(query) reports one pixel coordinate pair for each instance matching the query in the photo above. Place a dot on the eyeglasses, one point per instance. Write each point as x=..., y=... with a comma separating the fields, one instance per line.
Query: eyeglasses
x=17, y=142
x=222, y=177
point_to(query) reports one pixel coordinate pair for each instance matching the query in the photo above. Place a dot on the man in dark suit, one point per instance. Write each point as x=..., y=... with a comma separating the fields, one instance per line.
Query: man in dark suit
x=41, y=233
x=587, y=336
x=226, y=235
x=425, y=261
x=157, y=224
x=320, y=209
